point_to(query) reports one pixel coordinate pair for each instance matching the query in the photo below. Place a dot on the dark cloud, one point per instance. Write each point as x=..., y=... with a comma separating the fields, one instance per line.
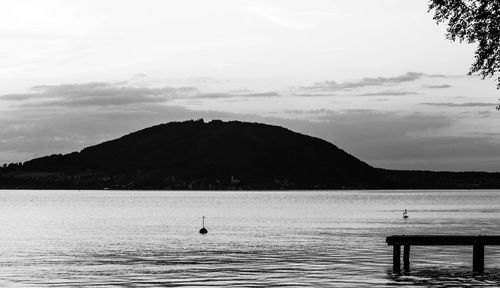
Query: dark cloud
x=397, y=141
x=442, y=76
x=468, y=104
x=485, y=113
x=441, y=86
x=97, y=94
x=233, y=95
x=113, y=94
x=376, y=81
x=313, y=94
x=313, y=111
x=242, y=91
x=389, y=93
x=18, y=97
x=382, y=93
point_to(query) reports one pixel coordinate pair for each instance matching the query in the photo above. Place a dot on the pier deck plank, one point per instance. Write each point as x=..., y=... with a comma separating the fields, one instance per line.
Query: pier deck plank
x=476, y=241
x=437, y=240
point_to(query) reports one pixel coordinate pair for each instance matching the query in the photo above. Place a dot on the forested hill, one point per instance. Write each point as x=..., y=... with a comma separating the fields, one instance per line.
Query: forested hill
x=199, y=155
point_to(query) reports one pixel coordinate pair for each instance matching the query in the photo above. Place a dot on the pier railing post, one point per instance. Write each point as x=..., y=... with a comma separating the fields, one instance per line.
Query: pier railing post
x=478, y=258
x=406, y=258
x=396, y=258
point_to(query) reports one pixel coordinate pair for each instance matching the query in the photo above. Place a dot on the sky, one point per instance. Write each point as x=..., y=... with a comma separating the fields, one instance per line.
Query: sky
x=378, y=79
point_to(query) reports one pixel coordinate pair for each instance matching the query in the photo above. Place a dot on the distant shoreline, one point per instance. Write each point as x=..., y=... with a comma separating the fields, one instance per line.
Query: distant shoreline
x=390, y=180
x=253, y=190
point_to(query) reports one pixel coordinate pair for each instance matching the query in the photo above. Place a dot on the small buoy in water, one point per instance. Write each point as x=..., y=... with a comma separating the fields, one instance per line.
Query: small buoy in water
x=203, y=230
x=405, y=214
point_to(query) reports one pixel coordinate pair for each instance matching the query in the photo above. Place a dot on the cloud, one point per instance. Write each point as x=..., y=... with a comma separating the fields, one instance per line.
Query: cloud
x=233, y=95
x=17, y=97
x=389, y=93
x=441, y=86
x=383, y=139
x=367, y=81
x=114, y=94
x=468, y=104
x=313, y=95
x=401, y=141
x=382, y=93
x=96, y=94
x=312, y=111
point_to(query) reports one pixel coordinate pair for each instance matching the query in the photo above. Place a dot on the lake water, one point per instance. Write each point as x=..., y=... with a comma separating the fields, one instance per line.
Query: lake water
x=255, y=239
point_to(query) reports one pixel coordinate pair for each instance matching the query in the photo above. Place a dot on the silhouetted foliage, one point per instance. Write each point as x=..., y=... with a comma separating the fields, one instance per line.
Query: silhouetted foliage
x=474, y=21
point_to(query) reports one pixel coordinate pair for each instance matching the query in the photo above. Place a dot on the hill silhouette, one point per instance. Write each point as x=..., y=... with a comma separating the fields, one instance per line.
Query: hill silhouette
x=223, y=155
x=199, y=155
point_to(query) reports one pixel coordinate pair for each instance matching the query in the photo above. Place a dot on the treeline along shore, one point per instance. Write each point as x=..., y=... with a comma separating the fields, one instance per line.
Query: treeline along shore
x=219, y=155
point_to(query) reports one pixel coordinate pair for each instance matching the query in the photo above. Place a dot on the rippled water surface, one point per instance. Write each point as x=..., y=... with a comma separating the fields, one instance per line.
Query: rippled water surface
x=255, y=239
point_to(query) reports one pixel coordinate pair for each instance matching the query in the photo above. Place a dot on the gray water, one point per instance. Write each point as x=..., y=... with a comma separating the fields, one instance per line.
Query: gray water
x=255, y=239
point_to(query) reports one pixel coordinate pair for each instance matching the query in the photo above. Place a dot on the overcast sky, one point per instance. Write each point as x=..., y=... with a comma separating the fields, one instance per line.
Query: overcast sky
x=376, y=78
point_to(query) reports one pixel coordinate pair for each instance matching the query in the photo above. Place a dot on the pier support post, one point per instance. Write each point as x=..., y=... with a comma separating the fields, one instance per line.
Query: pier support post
x=406, y=258
x=396, y=258
x=478, y=258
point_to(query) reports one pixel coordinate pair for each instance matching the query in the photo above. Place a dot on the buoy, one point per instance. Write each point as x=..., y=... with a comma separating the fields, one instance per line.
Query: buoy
x=405, y=214
x=203, y=230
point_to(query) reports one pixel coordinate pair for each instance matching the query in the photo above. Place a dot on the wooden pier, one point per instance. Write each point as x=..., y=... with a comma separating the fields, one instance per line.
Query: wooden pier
x=477, y=242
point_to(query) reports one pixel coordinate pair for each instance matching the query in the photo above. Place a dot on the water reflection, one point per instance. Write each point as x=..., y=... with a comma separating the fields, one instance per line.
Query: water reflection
x=446, y=277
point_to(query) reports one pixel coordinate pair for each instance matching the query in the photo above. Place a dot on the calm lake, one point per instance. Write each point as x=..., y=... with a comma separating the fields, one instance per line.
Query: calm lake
x=255, y=239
